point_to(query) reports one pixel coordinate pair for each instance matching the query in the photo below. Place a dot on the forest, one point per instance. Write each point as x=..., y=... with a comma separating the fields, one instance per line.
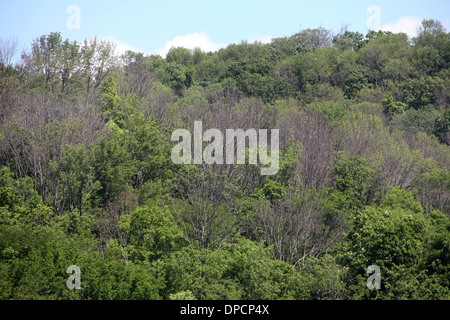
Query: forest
x=87, y=178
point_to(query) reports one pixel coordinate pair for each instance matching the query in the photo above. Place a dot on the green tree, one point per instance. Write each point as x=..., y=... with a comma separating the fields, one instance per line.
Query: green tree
x=349, y=41
x=422, y=92
x=181, y=56
x=413, y=121
x=151, y=233
x=442, y=127
x=113, y=166
x=356, y=81
x=19, y=200
x=77, y=183
x=242, y=270
x=433, y=46
x=111, y=104
x=386, y=57
x=322, y=279
x=396, y=238
x=354, y=182
x=313, y=38
x=177, y=76
x=47, y=62
x=392, y=107
x=290, y=76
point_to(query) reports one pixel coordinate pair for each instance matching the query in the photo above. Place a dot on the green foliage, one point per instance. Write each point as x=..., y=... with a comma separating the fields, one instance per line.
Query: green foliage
x=243, y=270
x=111, y=103
x=87, y=179
x=433, y=189
x=322, y=279
x=433, y=39
x=355, y=82
x=392, y=107
x=182, y=295
x=150, y=153
x=177, y=76
x=76, y=174
x=386, y=57
x=349, y=41
x=334, y=113
x=151, y=233
x=422, y=92
x=354, y=186
x=398, y=198
x=395, y=237
x=442, y=127
x=112, y=166
x=180, y=56
x=271, y=191
x=413, y=121
x=19, y=199
x=34, y=262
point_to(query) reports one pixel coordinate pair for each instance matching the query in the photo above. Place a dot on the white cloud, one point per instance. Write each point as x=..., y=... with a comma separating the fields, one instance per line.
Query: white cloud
x=122, y=47
x=408, y=25
x=190, y=41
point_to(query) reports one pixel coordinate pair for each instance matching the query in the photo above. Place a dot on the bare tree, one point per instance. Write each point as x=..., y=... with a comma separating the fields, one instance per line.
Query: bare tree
x=157, y=104
x=206, y=209
x=313, y=38
x=137, y=78
x=98, y=59
x=314, y=136
x=295, y=227
x=9, y=84
x=34, y=137
x=8, y=49
x=108, y=223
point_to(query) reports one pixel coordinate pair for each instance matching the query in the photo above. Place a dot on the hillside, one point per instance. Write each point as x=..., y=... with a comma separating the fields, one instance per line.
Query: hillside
x=362, y=177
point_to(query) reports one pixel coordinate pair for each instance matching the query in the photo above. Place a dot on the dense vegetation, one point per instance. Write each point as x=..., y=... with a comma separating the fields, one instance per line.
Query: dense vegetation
x=87, y=178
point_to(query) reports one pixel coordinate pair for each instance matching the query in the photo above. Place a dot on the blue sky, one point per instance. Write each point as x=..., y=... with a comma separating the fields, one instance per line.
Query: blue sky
x=153, y=26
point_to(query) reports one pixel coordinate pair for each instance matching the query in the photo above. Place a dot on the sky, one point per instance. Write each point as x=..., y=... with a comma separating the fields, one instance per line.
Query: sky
x=154, y=26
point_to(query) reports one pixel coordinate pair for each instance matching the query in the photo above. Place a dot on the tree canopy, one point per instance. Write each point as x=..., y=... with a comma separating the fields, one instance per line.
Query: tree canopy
x=86, y=176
